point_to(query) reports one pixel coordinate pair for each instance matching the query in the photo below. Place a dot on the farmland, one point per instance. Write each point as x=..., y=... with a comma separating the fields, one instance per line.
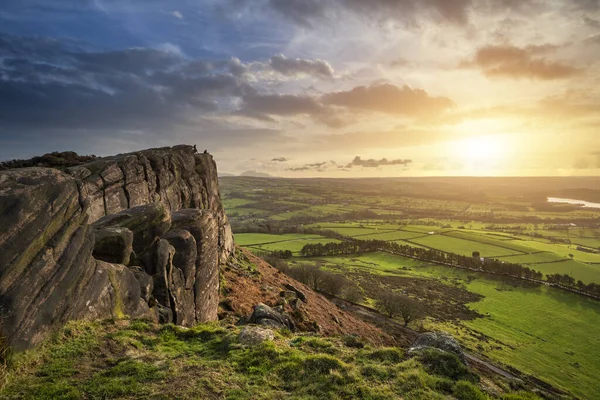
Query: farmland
x=539, y=330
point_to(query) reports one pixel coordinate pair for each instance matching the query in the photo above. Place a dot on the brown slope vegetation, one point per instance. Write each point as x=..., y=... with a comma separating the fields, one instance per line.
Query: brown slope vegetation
x=261, y=283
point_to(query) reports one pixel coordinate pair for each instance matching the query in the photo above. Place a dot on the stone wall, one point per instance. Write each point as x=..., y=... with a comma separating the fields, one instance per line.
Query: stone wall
x=140, y=235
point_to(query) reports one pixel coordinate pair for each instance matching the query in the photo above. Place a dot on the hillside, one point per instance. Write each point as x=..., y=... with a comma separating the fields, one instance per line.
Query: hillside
x=120, y=279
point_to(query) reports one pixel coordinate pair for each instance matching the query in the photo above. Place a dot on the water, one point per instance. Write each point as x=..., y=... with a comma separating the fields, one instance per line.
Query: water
x=583, y=203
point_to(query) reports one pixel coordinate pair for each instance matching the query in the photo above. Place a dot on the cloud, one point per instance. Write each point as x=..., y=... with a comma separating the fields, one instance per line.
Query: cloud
x=593, y=39
x=297, y=66
x=279, y=159
x=390, y=99
x=591, y=22
x=46, y=84
x=309, y=12
x=176, y=14
x=372, y=163
x=516, y=62
x=318, y=167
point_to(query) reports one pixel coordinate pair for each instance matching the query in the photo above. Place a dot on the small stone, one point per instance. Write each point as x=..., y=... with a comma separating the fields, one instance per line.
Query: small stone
x=254, y=335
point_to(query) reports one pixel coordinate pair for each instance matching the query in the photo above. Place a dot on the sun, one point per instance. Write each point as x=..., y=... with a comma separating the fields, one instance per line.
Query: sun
x=480, y=148
x=481, y=153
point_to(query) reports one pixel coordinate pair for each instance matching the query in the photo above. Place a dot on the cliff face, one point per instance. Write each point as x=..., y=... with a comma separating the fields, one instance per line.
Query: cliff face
x=140, y=234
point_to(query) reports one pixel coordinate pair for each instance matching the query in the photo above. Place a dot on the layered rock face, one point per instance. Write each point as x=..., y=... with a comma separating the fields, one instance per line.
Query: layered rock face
x=139, y=235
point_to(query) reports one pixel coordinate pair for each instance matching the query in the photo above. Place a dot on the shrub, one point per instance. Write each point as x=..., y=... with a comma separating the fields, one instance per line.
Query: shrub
x=445, y=364
x=464, y=390
x=354, y=341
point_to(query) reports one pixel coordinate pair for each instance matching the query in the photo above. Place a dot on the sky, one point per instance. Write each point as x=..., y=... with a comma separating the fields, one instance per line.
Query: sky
x=304, y=88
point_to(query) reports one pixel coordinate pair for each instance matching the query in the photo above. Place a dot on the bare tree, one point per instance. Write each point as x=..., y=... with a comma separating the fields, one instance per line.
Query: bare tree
x=333, y=284
x=395, y=304
x=353, y=294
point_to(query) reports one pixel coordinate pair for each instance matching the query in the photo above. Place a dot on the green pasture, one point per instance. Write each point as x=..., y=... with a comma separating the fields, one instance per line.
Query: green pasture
x=462, y=246
x=577, y=269
x=563, y=250
x=536, y=258
x=491, y=239
x=294, y=245
x=543, y=331
x=246, y=239
x=390, y=235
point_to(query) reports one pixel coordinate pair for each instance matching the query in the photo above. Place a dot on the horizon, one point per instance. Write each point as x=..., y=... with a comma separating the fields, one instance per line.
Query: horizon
x=307, y=88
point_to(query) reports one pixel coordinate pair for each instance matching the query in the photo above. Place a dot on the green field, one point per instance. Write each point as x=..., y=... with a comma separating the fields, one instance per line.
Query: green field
x=564, y=250
x=293, y=241
x=544, y=332
x=462, y=246
x=389, y=235
x=532, y=259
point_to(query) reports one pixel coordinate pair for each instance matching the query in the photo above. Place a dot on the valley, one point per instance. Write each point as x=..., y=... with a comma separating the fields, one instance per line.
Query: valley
x=532, y=326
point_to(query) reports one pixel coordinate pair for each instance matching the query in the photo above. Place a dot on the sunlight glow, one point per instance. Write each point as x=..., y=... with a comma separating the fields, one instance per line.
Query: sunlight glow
x=482, y=154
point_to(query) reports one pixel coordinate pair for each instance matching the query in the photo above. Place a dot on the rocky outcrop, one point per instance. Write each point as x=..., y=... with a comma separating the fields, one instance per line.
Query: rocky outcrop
x=140, y=235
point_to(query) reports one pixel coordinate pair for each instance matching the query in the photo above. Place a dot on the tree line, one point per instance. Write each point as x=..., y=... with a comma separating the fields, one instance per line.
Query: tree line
x=474, y=262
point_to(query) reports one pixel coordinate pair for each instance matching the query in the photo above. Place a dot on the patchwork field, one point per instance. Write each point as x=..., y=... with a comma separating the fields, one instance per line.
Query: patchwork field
x=543, y=331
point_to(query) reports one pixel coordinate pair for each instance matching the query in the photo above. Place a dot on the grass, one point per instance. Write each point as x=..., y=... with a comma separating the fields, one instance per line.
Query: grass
x=536, y=258
x=541, y=331
x=293, y=241
x=136, y=360
x=564, y=251
x=293, y=245
x=462, y=246
x=248, y=239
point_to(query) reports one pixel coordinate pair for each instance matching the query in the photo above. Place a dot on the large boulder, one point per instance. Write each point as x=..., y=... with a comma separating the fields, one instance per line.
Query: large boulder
x=272, y=317
x=112, y=292
x=113, y=245
x=440, y=341
x=147, y=223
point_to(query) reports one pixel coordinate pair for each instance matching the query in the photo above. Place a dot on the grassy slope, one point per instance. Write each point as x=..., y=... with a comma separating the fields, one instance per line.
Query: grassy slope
x=107, y=360
x=539, y=327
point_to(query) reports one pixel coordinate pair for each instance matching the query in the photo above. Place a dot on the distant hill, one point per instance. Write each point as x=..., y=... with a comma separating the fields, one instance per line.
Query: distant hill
x=221, y=174
x=257, y=174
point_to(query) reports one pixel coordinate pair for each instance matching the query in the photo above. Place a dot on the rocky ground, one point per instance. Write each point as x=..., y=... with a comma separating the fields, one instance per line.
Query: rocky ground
x=253, y=281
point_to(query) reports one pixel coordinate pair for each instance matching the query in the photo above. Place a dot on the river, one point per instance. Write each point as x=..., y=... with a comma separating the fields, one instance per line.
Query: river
x=585, y=204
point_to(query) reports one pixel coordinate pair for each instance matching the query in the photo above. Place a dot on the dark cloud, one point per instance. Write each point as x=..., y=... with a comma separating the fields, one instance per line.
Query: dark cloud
x=318, y=167
x=279, y=159
x=336, y=109
x=297, y=66
x=593, y=39
x=517, y=62
x=44, y=84
x=591, y=22
x=372, y=163
x=134, y=60
x=390, y=99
